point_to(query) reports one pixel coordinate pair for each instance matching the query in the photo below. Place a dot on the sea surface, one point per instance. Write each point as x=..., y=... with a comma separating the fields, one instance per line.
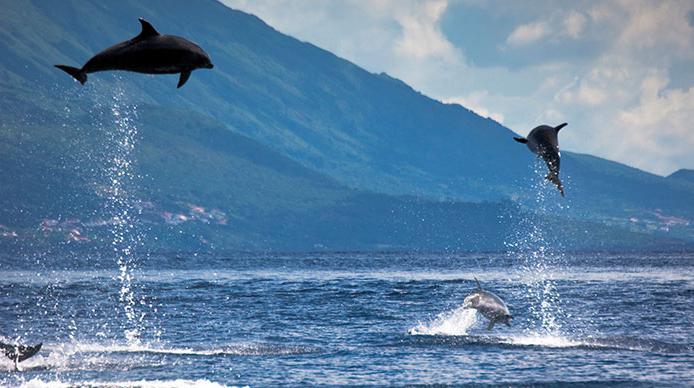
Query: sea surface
x=348, y=318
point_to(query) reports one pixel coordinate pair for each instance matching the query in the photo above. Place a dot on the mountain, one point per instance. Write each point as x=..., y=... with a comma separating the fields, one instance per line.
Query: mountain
x=294, y=146
x=197, y=185
x=683, y=175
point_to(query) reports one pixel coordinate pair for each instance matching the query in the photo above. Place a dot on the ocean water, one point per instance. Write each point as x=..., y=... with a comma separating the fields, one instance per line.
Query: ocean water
x=347, y=318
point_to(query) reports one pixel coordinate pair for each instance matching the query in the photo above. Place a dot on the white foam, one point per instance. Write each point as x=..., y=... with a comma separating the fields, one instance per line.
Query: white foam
x=38, y=383
x=242, y=349
x=454, y=322
x=77, y=355
x=549, y=341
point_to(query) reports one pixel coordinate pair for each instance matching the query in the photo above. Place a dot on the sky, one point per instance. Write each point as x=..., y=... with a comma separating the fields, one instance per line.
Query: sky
x=621, y=72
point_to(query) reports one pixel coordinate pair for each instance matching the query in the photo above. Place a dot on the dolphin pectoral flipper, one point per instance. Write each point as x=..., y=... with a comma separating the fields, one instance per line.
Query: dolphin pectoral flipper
x=521, y=140
x=76, y=73
x=557, y=182
x=184, y=77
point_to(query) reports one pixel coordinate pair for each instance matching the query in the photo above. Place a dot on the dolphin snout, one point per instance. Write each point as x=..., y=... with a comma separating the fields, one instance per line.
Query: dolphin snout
x=209, y=66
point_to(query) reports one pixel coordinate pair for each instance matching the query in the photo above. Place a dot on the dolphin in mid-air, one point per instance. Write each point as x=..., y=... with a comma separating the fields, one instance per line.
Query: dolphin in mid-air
x=149, y=52
x=19, y=353
x=544, y=142
x=489, y=305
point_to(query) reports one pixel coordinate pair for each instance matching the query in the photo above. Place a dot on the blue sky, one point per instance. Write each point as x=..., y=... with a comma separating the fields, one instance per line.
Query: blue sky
x=621, y=73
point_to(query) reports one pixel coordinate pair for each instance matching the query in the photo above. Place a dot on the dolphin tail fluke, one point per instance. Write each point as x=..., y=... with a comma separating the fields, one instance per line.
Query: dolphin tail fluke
x=29, y=351
x=19, y=353
x=557, y=182
x=76, y=73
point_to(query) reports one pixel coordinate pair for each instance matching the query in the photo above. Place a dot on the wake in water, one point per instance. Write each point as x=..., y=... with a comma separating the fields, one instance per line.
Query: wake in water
x=78, y=356
x=180, y=383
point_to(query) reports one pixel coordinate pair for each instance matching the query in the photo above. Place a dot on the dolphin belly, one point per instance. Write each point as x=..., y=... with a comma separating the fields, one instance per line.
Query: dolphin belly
x=544, y=142
x=149, y=61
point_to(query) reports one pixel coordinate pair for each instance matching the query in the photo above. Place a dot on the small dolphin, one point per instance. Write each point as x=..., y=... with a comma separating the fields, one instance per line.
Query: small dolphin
x=19, y=353
x=149, y=52
x=489, y=305
x=543, y=141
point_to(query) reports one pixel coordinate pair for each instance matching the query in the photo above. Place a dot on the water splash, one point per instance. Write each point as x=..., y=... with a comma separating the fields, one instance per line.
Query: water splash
x=119, y=132
x=539, y=257
x=453, y=322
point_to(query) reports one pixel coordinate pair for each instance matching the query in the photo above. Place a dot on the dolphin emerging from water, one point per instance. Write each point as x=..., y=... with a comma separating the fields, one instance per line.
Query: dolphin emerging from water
x=489, y=305
x=149, y=52
x=19, y=353
x=544, y=142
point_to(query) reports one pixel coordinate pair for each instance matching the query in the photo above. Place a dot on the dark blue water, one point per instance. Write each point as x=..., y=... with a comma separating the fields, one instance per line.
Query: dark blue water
x=265, y=320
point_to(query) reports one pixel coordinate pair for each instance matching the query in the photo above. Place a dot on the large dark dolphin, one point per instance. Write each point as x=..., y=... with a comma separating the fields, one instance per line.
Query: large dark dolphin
x=19, y=353
x=489, y=305
x=544, y=142
x=149, y=52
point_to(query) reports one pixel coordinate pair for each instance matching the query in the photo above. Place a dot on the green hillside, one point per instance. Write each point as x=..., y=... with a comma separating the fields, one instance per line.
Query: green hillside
x=283, y=146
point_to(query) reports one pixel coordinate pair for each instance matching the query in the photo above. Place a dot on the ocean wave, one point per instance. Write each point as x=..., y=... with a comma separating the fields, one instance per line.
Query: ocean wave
x=206, y=279
x=244, y=349
x=39, y=383
x=552, y=341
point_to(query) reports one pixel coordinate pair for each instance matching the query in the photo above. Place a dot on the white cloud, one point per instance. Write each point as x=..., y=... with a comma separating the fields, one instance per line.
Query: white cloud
x=553, y=27
x=376, y=34
x=657, y=26
x=528, y=33
x=657, y=132
x=574, y=24
x=589, y=95
x=584, y=93
x=421, y=37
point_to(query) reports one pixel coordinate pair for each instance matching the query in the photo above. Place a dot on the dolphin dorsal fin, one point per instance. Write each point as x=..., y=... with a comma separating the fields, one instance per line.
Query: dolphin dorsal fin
x=479, y=287
x=560, y=126
x=147, y=30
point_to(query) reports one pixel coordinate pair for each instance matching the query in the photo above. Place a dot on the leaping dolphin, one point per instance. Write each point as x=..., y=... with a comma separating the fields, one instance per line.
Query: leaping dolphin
x=544, y=142
x=489, y=305
x=149, y=52
x=19, y=353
